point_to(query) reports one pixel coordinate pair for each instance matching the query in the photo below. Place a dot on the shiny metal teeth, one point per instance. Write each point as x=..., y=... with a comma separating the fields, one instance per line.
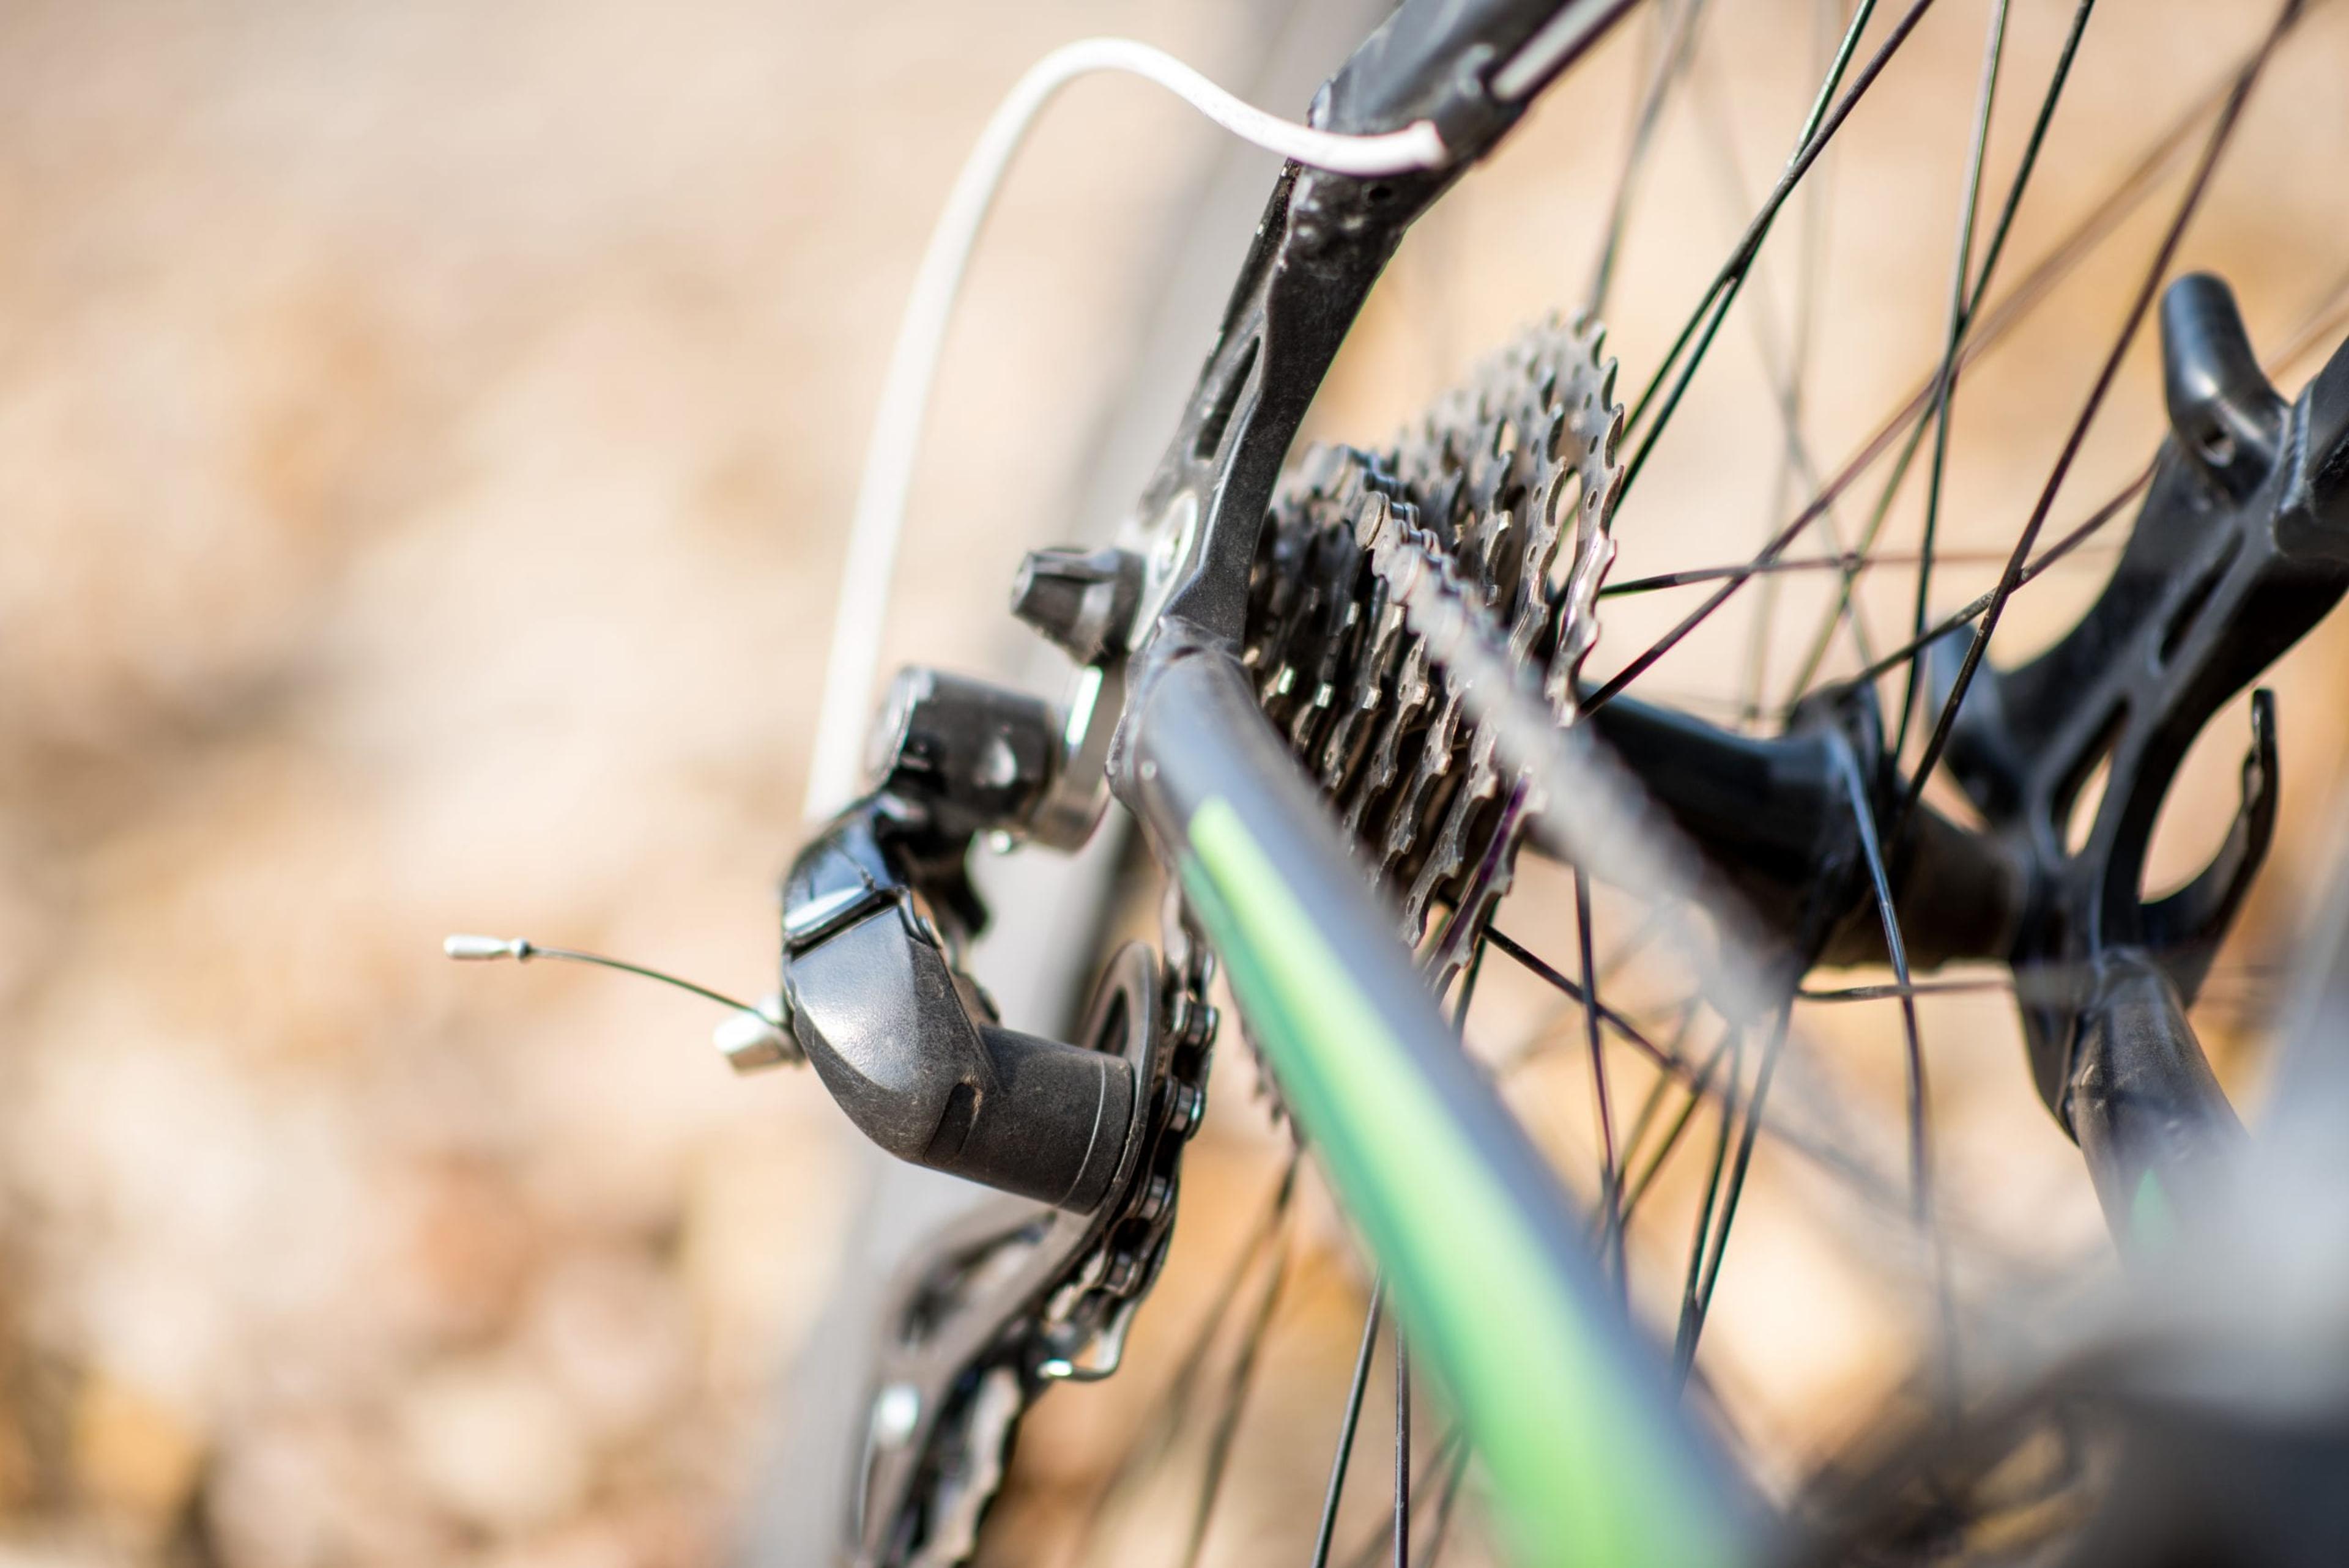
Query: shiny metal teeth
x=1513, y=477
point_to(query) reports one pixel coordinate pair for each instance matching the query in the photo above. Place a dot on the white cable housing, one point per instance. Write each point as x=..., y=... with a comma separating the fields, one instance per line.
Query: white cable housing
x=891, y=450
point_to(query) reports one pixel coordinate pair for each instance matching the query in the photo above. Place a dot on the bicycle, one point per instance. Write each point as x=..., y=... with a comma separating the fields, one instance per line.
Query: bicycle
x=1364, y=668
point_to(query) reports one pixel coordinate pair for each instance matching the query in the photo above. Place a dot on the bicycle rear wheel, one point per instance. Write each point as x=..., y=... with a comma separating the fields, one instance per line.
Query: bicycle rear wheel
x=1907, y=1222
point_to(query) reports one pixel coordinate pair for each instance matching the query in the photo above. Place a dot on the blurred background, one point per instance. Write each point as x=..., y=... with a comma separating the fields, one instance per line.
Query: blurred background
x=425, y=434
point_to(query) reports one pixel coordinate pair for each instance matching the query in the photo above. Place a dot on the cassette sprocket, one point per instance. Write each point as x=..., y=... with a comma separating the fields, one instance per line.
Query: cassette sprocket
x=1515, y=474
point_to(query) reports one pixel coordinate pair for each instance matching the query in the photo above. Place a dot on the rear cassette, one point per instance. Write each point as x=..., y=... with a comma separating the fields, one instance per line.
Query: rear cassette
x=1515, y=474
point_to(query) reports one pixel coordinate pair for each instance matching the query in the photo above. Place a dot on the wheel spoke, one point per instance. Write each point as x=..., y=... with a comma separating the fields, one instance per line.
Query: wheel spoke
x=1945, y=378
x=1906, y=988
x=1785, y=369
x=1454, y=1453
x=1851, y=563
x=1740, y=259
x=1651, y=1104
x=1460, y=925
x=1808, y=271
x=1696, y=1307
x=1609, y=1178
x=1157, y=1438
x=1671, y=60
x=1714, y=308
x=1338, y=1462
x=1468, y=985
x=1846, y=1166
x=1671, y=1138
x=1945, y=388
x=1401, y=1450
x=1996, y=322
x=1921, y=1163
x=1450, y=1450
x=2056, y=978
x=2221, y=134
x=1623, y=1027
x=2053, y=555
x=1684, y=1339
x=1237, y=1384
x=2321, y=326
x=1919, y=1104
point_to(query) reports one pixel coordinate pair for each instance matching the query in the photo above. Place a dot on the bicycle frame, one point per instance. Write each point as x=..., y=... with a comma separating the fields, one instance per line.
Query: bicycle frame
x=1571, y=1415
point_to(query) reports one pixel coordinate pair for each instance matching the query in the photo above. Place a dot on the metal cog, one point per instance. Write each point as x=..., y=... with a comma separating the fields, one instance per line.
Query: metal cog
x=1515, y=476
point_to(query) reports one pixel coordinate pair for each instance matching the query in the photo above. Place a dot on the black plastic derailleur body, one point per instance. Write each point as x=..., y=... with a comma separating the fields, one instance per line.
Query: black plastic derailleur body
x=2241, y=547
x=872, y=909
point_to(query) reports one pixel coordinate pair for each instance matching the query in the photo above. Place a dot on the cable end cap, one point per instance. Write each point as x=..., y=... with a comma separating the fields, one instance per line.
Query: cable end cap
x=478, y=949
x=752, y=1039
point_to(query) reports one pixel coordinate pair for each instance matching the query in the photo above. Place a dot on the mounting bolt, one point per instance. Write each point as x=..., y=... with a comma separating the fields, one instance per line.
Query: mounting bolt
x=1083, y=602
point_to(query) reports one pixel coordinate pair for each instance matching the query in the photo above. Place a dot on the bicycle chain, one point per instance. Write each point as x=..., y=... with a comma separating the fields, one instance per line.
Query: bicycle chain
x=1089, y=1306
x=1514, y=478
x=1099, y=1296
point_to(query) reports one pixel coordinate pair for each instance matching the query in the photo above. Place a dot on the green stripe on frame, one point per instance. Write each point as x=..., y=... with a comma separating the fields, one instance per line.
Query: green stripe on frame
x=2153, y=1223
x=1585, y=1468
